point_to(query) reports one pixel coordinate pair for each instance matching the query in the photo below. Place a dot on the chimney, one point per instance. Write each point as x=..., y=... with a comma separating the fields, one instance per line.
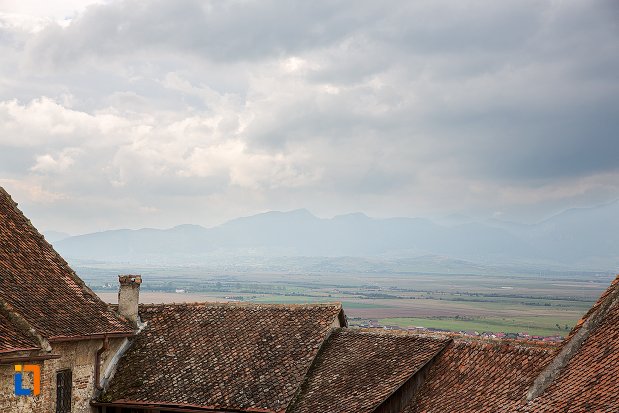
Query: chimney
x=129, y=296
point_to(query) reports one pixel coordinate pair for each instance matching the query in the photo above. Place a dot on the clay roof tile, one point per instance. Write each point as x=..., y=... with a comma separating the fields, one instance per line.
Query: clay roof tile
x=38, y=284
x=222, y=355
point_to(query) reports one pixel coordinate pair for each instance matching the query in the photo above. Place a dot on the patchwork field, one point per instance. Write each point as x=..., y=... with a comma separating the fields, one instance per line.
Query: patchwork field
x=545, y=305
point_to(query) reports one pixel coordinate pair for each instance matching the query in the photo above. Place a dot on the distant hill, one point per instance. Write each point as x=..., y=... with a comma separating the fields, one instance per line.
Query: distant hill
x=586, y=238
x=55, y=236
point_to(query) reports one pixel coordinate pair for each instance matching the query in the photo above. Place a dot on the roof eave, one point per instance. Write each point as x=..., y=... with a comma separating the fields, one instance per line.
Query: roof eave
x=17, y=350
x=20, y=359
x=96, y=336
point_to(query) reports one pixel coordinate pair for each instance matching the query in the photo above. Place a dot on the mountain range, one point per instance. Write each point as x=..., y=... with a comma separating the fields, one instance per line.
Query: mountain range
x=580, y=239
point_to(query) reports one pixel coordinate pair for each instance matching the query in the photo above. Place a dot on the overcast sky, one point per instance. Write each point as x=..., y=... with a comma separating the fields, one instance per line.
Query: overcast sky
x=156, y=113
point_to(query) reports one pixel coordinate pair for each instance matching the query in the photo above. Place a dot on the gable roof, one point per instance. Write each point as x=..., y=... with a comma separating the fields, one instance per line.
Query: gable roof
x=37, y=284
x=587, y=381
x=356, y=370
x=480, y=376
x=612, y=288
x=14, y=337
x=245, y=357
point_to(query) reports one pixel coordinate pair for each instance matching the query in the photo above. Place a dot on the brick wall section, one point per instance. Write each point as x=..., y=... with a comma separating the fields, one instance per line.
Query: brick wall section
x=79, y=356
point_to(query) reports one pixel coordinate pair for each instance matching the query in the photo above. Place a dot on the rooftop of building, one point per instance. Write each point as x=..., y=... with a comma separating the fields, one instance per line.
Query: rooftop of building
x=222, y=355
x=351, y=361
x=583, y=377
x=38, y=287
x=481, y=376
x=13, y=336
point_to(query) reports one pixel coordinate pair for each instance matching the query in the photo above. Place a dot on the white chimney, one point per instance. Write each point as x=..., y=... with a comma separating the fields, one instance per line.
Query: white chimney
x=129, y=296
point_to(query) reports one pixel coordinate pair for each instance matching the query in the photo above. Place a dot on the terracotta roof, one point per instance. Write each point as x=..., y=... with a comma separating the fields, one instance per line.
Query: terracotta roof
x=13, y=337
x=358, y=370
x=611, y=288
x=247, y=357
x=588, y=383
x=37, y=284
x=480, y=376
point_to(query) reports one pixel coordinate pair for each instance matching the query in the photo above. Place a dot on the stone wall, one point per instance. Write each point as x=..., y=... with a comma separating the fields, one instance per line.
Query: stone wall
x=79, y=356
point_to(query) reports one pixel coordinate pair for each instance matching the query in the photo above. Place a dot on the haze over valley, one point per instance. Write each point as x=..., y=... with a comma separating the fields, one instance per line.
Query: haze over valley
x=489, y=277
x=585, y=239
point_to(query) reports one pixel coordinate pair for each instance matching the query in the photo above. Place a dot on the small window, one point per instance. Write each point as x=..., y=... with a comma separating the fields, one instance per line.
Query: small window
x=64, y=382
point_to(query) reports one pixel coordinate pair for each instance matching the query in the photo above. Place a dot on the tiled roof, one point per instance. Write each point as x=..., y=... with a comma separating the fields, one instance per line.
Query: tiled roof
x=480, y=376
x=611, y=288
x=357, y=370
x=247, y=357
x=37, y=283
x=13, y=338
x=589, y=382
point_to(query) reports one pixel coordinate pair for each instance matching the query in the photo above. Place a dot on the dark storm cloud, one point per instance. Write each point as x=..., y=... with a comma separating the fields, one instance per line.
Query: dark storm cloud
x=571, y=143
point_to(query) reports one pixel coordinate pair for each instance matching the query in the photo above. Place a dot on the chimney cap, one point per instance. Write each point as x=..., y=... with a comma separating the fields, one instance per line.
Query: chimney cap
x=127, y=279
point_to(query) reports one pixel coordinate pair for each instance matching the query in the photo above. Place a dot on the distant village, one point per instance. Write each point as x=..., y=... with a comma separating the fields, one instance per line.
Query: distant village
x=357, y=322
x=368, y=323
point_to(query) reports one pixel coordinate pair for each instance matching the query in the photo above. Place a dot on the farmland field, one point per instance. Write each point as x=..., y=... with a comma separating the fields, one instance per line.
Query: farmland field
x=545, y=305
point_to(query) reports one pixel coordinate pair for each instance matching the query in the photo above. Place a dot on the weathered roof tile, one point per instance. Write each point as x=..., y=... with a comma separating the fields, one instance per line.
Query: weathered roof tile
x=222, y=355
x=358, y=370
x=481, y=376
x=13, y=337
x=588, y=383
x=37, y=283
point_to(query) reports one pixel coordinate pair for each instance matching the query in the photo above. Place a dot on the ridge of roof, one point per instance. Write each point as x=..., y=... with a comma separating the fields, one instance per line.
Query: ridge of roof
x=507, y=344
x=154, y=306
x=30, y=263
x=36, y=232
x=299, y=390
x=611, y=288
x=383, y=361
x=586, y=326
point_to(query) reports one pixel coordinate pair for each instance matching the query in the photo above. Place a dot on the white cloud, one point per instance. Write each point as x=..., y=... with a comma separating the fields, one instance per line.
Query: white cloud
x=425, y=107
x=31, y=191
x=46, y=121
x=49, y=163
x=57, y=9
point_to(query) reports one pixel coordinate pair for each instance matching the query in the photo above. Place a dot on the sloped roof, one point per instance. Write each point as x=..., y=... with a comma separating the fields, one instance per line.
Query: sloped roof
x=589, y=382
x=37, y=284
x=612, y=288
x=13, y=337
x=246, y=357
x=357, y=370
x=480, y=376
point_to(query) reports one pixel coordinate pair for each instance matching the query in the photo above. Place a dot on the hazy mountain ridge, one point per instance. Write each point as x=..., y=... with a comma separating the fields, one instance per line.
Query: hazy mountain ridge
x=586, y=238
